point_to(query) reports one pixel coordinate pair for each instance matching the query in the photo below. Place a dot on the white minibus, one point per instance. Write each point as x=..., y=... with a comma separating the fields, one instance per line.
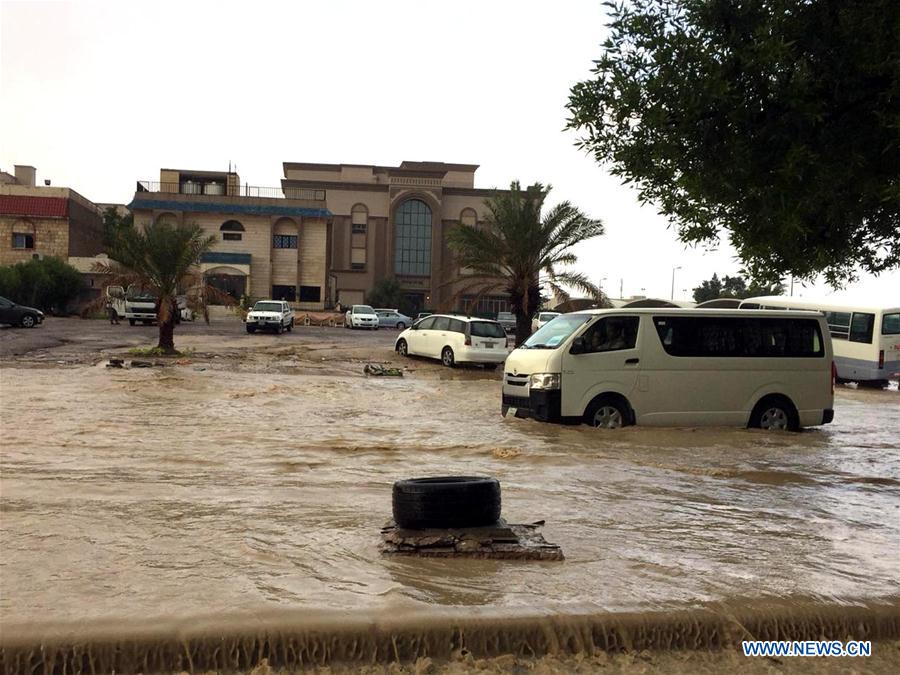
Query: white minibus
x=675, y=367
x=866, y=340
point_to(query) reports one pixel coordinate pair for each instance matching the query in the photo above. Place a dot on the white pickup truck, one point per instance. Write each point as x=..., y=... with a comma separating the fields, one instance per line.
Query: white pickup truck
x=275, y=315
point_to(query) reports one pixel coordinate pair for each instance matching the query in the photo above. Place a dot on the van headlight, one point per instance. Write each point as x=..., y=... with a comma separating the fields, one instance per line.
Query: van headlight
x=544, y=381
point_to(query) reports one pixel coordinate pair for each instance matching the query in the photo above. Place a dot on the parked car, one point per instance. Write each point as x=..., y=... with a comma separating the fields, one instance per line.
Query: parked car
x=19, y=315
x=507, y=320
x=455, y=339
x=391, y=318
x=275, y=315
x=361, y=316
x=541, y=319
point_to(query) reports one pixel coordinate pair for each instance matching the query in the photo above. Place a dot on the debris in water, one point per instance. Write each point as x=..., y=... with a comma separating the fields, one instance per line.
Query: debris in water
x=141, y=364
x=116, y=363
x=382, y=371
x=505, y=453
x=500, y=541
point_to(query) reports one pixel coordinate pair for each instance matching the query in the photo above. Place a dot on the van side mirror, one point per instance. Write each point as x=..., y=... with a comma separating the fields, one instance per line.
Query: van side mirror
x=578, y=346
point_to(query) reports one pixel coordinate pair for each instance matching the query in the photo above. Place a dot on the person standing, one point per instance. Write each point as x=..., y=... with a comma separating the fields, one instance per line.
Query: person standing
x=111, y=312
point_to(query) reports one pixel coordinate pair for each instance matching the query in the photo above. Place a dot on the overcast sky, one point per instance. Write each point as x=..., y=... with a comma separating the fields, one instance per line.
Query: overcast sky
x=97, y=95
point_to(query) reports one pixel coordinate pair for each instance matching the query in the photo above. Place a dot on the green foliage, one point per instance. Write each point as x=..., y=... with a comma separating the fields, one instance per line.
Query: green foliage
x=776, y=121
x=734, y=287
x=386, y=293
x=517, y=245
x=160, y=258
x=113, y=224
x=49, y=284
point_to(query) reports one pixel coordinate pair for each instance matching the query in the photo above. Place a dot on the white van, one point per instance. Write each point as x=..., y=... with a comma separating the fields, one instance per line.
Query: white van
x=675, y=367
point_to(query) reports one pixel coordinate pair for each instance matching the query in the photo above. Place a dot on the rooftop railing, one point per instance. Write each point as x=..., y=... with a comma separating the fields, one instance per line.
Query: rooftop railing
x=218, y=189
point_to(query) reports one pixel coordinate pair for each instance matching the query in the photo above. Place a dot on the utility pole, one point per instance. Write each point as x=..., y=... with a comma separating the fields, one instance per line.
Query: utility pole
x=621, y=284
x=677, y=267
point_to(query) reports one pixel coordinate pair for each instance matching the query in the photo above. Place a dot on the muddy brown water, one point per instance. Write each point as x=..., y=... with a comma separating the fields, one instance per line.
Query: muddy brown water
x=172, y=491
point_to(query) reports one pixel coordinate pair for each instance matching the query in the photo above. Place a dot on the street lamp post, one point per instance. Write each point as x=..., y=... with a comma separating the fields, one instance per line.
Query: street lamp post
x=677, y=267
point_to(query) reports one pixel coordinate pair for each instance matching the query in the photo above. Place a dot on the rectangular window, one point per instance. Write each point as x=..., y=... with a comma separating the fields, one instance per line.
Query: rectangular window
x=838, y=324
x=22, y=240
x=441, y=323
x=890, y=324
x=357, y=266
x=487, y=329
x=612, y=334
x=739, y=337
x=288, y=293
x=457, y=326
x=310, y=294
x=231, y=236
x=284, y=241
x=359, y=228
x=861, y=327
x=488, y=306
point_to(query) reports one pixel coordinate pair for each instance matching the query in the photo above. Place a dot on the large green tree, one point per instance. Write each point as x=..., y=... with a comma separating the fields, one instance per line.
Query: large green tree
x=777, y=121
x=734, y=287
x=517, y=250
x=160, y=259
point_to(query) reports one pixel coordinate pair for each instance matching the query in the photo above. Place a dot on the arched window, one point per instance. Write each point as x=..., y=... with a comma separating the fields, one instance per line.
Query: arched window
x=359, y=217
x=412, y=248
x=468, y=217
x=231, y=230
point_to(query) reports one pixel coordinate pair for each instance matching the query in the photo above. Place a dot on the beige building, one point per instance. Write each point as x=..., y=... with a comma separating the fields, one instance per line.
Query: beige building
x=267, y=246
x=40, y=220
x=392, y=221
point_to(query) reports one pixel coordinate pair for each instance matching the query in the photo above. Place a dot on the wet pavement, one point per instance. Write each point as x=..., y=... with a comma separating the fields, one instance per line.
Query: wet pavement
x=237, y=481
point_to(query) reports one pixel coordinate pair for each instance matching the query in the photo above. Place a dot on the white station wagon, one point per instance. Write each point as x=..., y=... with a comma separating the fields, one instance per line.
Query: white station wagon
x=455, y=339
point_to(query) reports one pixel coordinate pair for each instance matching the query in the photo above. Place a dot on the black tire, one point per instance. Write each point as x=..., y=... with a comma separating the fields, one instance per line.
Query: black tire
x=490, y=366
x=607, y=412
x=402, y=348
x=279, y=329
x=447, y=357
x=290, y=326
x=131, y=322
x=400, y=326
x=775, y=413
x=446, y=502
x=251, y=329
x=28, y=321
x=873, y=384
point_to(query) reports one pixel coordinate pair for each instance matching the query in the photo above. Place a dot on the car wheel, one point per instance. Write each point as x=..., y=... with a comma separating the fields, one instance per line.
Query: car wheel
x=27, y=321
x=607, y=413
x=775, y=413
x=445, y=502
x=402, y=348
x=376, y=328
x=447, y=357
x=400, y=326
x=279, y=329
x=251, y=329
x=290, y=326
x=131, y=322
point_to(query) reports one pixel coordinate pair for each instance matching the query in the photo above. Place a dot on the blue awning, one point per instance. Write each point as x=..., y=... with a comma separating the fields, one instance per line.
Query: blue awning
x=228, y=208
x=220, y=258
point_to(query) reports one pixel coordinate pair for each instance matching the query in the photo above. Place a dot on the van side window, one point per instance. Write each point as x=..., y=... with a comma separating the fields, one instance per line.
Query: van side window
x=426, y=324
x=441, y=323
x=838, y=324
x=457, y=326
x=715, y=336
x=861, y=327
x=611, y=334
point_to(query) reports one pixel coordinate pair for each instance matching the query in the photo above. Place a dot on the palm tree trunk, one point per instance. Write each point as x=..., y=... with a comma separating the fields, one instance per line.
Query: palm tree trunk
x=165, y=317
x=523, y=327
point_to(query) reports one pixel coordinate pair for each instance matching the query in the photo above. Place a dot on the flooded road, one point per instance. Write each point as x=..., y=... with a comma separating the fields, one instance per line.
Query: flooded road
x=176, y=491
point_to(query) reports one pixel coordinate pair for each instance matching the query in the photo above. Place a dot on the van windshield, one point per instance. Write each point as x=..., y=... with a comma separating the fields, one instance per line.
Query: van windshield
x=551, y=335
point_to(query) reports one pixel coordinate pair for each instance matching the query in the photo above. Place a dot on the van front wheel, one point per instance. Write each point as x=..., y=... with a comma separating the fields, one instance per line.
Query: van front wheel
x=607, y=413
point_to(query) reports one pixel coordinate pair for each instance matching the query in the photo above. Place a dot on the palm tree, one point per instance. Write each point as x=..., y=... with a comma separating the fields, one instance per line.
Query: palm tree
x=160, y=259
x=518, y=251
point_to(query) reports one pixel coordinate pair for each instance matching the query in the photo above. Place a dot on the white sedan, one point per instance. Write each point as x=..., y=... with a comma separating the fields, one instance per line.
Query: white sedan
x=361, y=316
x=455, y=339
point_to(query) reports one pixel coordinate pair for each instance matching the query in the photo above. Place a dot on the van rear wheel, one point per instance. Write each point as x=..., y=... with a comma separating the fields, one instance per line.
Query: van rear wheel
x=607, y=413
x=775, y=413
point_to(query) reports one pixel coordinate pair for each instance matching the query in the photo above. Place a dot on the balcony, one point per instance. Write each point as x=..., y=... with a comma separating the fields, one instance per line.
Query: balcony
x=218, y=189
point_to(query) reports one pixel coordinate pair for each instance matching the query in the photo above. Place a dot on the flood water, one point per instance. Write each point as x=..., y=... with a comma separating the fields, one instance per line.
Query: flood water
x=173, y=491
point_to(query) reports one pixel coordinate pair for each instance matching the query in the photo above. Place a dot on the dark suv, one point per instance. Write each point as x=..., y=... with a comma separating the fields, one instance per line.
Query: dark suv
x=19, y=315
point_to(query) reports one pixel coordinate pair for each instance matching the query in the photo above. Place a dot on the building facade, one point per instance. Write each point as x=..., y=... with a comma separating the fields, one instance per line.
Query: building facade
x=39, y=220
x=392, y=221
x=267, y=246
